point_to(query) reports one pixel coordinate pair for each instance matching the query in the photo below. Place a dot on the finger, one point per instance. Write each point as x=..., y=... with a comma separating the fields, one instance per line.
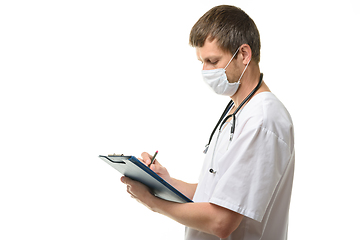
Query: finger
x=156, y=167
x=129, y=186
x=129, y=190
x=142, y=160
x=126, y=180
x=122, y=179
x=160, y=170
x=146, y=157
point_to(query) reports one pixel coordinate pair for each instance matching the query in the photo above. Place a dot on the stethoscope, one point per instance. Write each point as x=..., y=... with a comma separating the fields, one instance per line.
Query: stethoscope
x=224, y=119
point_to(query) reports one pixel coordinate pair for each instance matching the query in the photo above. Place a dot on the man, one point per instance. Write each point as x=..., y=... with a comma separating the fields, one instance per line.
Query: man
x=246, y=193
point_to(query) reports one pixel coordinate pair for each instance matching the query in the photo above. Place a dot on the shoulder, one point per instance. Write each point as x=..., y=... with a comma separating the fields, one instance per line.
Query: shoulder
x=265, y=111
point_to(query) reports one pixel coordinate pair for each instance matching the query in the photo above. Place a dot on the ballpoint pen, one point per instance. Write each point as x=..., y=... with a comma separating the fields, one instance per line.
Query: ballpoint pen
x=153, y=159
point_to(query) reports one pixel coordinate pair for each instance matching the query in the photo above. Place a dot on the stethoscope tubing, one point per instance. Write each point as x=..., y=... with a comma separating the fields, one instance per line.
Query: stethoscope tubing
x=223, y=119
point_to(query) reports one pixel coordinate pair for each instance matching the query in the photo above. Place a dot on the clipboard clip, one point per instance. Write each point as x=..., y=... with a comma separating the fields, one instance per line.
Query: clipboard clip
x=115, y=155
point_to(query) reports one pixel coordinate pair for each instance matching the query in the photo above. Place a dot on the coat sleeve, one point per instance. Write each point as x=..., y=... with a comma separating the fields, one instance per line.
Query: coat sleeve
x=251, y=170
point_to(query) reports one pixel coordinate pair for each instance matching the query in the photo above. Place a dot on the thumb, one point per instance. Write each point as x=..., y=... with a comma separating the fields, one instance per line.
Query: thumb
x=153, y=167
x=157, y=167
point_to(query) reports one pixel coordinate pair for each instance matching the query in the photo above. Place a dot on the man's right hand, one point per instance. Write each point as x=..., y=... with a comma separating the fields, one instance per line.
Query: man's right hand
x=155, y=166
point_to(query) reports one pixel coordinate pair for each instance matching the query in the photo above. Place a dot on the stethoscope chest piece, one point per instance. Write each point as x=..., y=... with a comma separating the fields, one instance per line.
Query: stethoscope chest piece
x=206, y=148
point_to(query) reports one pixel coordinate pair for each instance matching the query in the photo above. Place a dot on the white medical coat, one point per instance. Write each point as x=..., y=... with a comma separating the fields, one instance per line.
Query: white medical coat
x=254, y=171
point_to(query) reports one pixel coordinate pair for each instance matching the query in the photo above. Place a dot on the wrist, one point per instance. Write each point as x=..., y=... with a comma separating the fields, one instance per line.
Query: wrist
x=171, y=181
x=156, y=204
x=175, y=183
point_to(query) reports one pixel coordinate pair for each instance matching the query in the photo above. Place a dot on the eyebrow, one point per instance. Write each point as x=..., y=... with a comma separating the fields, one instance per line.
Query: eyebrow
x=210, y=57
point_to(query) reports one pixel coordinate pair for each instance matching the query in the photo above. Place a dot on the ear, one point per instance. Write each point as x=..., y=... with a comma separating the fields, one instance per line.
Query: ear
x=245, y=54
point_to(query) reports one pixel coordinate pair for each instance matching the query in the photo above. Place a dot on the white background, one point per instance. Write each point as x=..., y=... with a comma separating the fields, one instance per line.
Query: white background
x=83, y=78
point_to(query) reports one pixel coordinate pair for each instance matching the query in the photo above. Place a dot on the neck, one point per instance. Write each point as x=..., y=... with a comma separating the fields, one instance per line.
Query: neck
x=248, y=82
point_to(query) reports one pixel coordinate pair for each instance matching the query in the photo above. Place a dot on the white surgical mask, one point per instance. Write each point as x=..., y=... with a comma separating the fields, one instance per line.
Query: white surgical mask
x=217, y=79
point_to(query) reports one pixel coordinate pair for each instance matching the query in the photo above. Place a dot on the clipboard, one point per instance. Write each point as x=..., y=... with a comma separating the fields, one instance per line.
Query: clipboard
x=131, y=167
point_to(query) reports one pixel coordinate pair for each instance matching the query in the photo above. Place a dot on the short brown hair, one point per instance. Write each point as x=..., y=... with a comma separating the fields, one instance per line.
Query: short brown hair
x=230, y=26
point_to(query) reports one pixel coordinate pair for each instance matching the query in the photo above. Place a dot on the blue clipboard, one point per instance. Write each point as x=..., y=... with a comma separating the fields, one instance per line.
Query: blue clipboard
x=131, y=167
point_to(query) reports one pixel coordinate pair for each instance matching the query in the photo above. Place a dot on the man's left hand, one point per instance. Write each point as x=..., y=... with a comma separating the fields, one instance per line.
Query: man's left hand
x=138, y=191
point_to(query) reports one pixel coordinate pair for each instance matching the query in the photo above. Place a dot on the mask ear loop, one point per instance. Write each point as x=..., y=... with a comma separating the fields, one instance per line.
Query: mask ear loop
x=231, y=58
x=244, y=70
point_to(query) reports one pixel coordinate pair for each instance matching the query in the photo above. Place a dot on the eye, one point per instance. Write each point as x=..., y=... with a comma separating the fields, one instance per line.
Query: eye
x=213, y=62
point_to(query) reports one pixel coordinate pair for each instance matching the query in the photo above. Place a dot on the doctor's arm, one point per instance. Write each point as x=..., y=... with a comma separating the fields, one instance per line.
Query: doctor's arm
x=205, y=217
x=188, y=189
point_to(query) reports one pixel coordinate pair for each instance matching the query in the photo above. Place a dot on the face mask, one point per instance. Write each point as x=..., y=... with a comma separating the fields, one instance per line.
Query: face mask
x=217, y=79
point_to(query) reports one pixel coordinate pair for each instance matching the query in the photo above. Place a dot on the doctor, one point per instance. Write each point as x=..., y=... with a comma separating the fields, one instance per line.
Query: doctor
x=245, y=185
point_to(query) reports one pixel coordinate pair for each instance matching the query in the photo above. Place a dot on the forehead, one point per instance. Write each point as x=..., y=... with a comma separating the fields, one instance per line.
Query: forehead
x=210, y=49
